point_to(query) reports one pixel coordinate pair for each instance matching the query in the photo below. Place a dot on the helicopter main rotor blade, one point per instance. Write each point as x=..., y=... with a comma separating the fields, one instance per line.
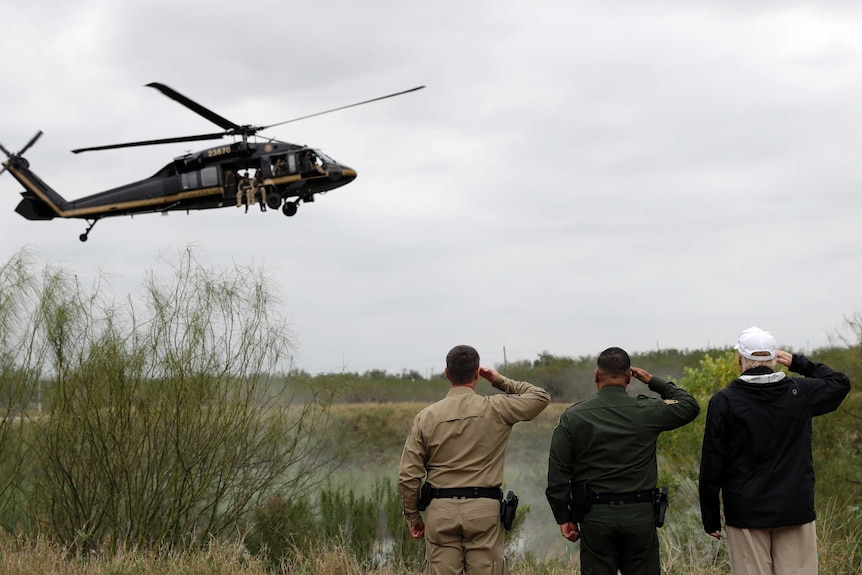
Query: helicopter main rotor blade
x=30, y=143
x=153, y=142
x=341, y=108
x=195, y=107
x=5, y=151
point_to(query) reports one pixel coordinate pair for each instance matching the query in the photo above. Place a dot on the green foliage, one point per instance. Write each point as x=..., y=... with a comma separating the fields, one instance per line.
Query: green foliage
x=161, y=427
x=351, y=519
x=283, y=526
x=372, y=387
x=565, y=378
x=406, y=551
x=839, y=536
x=373, y=434
x=679, y=450
x=369, y=527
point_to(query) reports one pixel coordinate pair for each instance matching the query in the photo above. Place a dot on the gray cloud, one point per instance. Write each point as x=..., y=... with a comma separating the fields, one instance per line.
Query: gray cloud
x=573, y=177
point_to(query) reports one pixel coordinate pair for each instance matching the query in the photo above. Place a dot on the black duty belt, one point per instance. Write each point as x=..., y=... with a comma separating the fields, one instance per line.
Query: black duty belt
x=468, y=493
x=643, y=496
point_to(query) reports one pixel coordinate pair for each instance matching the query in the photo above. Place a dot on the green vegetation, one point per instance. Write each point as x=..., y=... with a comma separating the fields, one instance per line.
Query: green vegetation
x=158, y=426
x=166, y=433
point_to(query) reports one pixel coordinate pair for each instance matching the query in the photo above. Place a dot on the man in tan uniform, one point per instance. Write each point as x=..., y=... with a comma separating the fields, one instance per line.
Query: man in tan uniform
x=244, y=188
x=458, y=445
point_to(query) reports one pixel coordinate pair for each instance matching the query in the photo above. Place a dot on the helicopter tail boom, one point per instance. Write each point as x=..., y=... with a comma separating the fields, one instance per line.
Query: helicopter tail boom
x=40, y=201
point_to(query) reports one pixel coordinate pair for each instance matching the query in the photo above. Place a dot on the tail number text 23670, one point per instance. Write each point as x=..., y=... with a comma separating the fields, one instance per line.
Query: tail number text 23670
x=218, y=151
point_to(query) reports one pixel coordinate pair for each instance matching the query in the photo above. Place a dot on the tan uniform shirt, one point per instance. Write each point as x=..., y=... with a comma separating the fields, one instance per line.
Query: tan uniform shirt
x=460, y=441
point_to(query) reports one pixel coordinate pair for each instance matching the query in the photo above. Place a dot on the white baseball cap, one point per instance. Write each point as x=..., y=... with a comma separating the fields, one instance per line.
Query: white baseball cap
x=756, y=344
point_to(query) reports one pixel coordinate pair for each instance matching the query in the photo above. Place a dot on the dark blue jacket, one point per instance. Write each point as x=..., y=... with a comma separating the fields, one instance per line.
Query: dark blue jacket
x=757, y=446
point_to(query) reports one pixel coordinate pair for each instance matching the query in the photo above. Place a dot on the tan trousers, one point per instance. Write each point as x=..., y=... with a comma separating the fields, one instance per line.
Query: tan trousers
x=464, y=536
x=780, y=551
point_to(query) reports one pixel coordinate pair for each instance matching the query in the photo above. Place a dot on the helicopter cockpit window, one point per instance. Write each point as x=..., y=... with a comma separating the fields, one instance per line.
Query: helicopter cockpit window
x=324, y=158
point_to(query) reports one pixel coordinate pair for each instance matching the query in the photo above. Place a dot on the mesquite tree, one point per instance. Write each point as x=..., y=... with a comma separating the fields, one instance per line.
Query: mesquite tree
x=163, y=425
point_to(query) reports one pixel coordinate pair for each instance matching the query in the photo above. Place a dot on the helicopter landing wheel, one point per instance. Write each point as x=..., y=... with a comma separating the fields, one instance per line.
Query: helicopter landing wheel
x=289, y=208
x=273, y=201
x=83, y=237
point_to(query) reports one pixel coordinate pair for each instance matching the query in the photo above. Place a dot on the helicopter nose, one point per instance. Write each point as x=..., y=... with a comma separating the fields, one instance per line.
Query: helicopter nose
x=348, y=174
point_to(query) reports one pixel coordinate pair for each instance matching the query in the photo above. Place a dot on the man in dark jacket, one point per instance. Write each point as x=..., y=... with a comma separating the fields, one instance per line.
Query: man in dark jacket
x=757, y=453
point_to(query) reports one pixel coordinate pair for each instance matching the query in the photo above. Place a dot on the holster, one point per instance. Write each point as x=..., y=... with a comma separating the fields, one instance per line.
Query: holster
x=508, y=508
x=660, y=503
x=425, y=496
x=580, y=501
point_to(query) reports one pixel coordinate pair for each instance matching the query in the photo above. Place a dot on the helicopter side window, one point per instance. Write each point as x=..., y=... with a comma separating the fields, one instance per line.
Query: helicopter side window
x=291, y=163
x=190, y=180
x=209, y=176
x=280, y=166
x=205, y=178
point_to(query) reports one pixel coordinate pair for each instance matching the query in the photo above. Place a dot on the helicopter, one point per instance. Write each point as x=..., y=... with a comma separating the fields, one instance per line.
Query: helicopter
x=286, y=174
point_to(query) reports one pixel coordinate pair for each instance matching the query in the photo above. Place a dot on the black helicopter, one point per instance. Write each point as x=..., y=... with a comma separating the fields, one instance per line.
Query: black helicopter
x=210, y=178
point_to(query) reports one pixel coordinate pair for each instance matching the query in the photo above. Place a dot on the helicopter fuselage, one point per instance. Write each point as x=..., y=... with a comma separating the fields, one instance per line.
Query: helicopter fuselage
x=196, y=181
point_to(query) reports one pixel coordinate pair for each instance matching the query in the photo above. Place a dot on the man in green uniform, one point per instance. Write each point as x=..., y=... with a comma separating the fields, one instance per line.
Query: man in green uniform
x=602, y=469
x=458, y=445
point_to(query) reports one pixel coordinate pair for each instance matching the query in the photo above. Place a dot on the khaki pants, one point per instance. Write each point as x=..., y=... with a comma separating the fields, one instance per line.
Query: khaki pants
x=779, y=551
x=464, y=536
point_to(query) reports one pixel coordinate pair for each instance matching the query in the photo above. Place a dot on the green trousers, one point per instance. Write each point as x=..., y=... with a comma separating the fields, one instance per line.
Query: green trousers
x=620, y=537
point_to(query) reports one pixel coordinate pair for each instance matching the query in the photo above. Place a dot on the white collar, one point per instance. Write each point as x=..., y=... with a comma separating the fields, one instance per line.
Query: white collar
x=763, y=378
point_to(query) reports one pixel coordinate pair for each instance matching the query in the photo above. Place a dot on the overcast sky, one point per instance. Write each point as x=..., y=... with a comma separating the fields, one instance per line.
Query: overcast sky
x=576, y=175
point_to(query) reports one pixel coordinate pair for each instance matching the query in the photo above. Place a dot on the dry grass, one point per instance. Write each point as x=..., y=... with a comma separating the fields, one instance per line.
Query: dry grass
x=41, y=557
x=18, y=557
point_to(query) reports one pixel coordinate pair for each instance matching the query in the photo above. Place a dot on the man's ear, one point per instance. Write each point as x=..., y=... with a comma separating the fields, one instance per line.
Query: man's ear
x=597, y=376
x=446, y=371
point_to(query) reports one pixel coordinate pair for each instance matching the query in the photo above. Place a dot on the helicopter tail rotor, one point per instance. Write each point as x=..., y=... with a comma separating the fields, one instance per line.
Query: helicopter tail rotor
x=8, y=155
x=30, y=143
x=20, y=153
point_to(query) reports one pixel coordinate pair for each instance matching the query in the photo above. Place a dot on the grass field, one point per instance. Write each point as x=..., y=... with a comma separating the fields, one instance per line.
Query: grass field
x=371, y=437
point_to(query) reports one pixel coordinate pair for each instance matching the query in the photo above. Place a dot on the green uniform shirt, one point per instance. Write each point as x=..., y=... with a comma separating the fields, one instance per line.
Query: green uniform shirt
x=609, y=441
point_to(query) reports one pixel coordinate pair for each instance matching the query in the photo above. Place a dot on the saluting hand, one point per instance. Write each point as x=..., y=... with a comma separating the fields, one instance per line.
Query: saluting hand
x=641, y=375
x=491, y=375
x=783, y=357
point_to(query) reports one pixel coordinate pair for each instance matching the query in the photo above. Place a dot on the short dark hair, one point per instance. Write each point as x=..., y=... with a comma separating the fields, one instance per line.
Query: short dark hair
x=614, y=361
x=462, y=361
